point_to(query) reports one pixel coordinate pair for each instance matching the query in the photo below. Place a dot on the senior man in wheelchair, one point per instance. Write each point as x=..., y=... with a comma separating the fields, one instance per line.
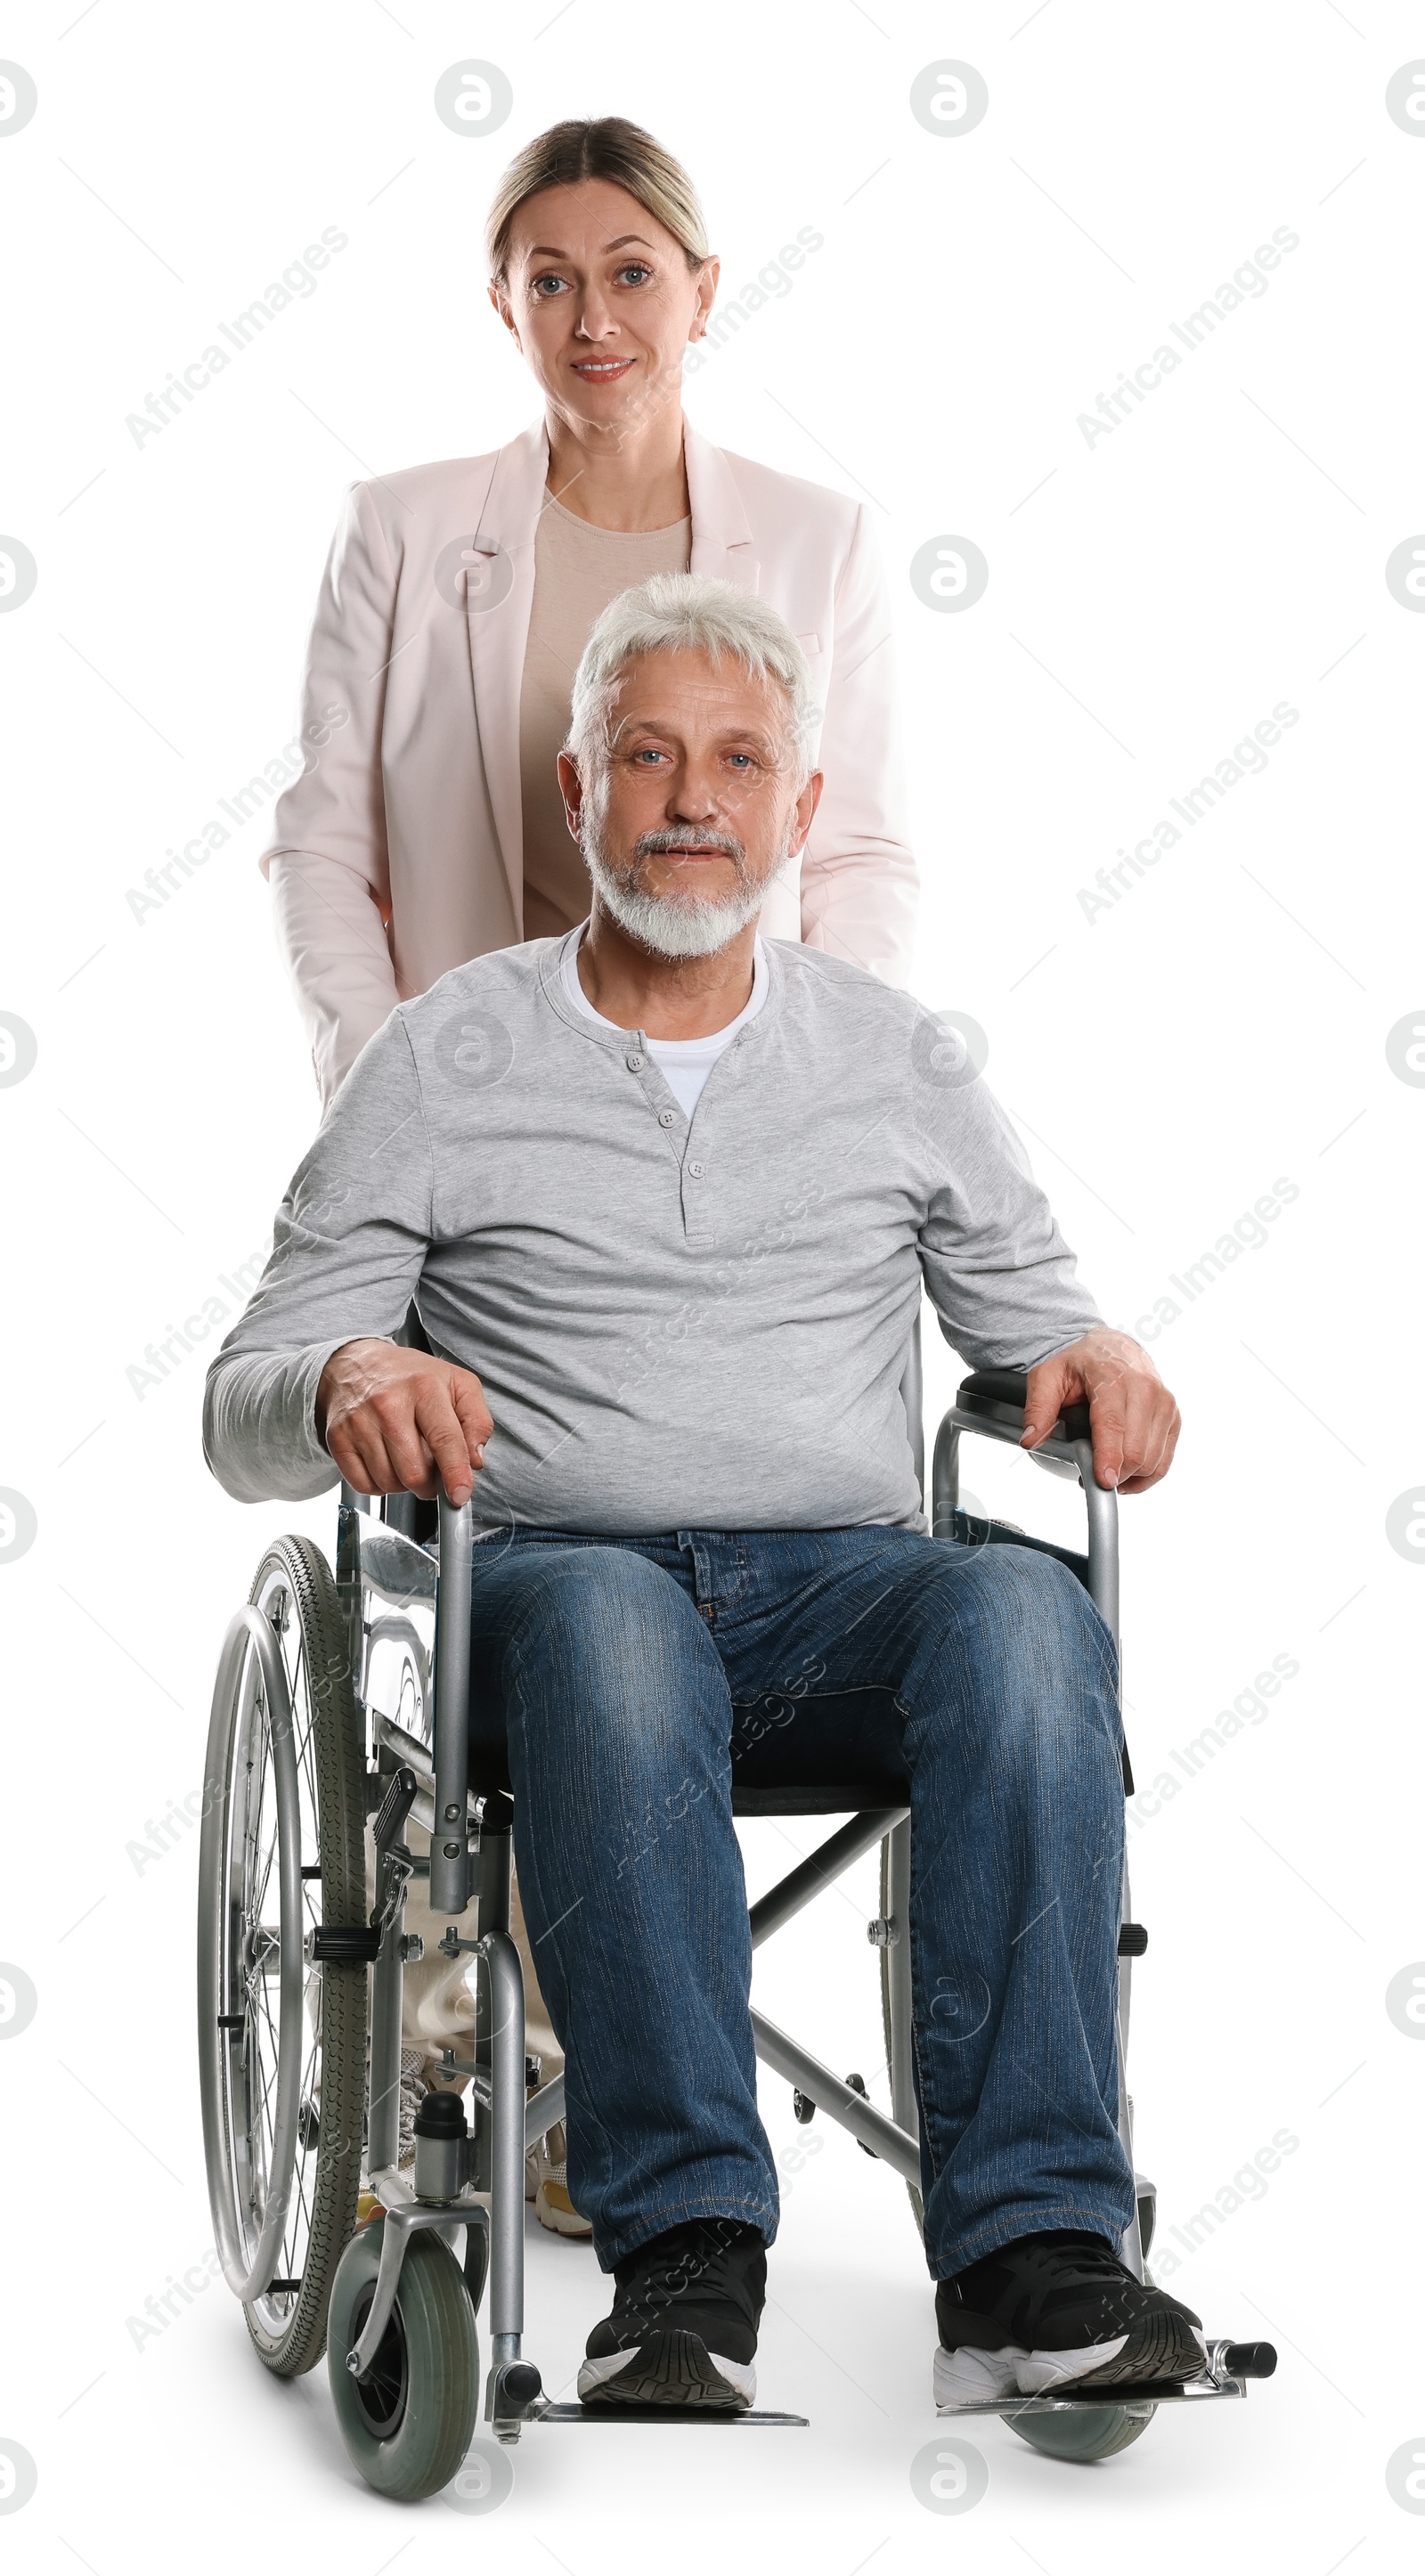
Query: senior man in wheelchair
x=665, y=1195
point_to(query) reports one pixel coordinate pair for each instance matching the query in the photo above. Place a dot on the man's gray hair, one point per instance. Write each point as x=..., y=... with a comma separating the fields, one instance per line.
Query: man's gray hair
x=682, y=612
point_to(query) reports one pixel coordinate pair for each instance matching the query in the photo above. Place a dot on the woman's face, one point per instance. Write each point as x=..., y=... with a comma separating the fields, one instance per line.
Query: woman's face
x=601, y=302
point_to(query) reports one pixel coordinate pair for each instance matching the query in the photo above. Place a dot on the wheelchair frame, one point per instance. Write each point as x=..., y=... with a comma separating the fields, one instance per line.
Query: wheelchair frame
x=407, y=1634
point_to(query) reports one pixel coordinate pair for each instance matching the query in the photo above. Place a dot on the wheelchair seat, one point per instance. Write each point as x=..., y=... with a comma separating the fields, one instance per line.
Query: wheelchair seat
x=822, y=1759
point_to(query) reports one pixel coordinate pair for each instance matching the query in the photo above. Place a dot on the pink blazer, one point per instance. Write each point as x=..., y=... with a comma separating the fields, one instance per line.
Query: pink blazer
x=397, y=853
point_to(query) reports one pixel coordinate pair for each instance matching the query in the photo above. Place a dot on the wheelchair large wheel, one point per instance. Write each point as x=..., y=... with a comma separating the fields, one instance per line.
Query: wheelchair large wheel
x=1083, y=2432
x=282, y=2041
x=408, y=2423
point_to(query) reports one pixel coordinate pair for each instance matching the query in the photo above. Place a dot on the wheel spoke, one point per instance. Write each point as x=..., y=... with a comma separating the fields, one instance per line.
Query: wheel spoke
x=264, y=2096
x=264, y=2006
x=267, y=1861
x=266, y=2106
x=264, y=1711
x=300, y=2219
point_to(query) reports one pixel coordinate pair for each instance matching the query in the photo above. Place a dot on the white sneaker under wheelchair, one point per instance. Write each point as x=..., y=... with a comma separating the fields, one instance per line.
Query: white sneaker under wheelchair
x=343, y=1697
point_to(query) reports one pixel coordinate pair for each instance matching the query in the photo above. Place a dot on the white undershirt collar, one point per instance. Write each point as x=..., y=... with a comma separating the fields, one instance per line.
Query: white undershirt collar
x=685, y=1063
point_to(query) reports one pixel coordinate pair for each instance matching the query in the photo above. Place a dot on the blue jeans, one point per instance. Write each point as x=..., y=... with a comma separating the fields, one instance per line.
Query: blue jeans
x=636, y=1677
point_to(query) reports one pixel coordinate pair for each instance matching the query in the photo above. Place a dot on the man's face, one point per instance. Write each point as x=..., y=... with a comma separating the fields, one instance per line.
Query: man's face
x=699, y=806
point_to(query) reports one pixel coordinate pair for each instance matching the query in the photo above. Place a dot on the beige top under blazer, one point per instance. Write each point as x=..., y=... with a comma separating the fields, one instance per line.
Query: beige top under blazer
x=398, y=854
x=578, y=570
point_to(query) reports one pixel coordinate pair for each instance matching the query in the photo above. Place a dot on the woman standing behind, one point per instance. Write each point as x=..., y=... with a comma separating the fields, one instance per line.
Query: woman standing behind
x=458, y=598
x=457, y=601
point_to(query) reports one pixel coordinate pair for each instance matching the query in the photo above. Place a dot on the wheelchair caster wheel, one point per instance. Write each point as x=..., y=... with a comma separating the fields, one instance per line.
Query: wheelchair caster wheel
x=1083, y=2432
x=803, y=2109
x=408, y=2423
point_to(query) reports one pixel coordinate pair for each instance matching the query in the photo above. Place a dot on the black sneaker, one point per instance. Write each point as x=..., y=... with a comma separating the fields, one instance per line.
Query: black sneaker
x=1054, y=2309
x=683, y=2331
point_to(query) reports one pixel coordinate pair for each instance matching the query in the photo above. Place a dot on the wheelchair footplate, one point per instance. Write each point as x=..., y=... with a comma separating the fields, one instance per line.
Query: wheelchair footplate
x=622, y=2414
x=1228, y=2368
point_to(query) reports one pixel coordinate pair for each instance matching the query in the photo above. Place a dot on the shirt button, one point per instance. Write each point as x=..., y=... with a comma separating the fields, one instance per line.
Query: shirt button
x=695, y=1171
x=666, y=1117
x=634, y=1063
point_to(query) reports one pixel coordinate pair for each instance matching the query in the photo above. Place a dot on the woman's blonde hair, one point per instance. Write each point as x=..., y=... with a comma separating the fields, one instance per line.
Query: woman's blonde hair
x=598, y=147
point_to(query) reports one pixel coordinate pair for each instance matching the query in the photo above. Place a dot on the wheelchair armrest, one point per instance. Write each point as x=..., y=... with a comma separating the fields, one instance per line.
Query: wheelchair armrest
x=997, y=1397
x=992, y=1401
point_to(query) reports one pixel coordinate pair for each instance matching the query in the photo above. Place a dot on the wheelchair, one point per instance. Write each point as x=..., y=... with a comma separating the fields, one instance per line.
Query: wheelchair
x=344, y=1696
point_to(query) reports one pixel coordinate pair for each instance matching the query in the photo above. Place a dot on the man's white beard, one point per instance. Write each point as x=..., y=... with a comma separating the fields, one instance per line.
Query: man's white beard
x=671, y=925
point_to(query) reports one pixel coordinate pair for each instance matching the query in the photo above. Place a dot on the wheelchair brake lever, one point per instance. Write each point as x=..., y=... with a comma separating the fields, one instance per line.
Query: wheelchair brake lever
x=393, y=1869
x=393, y=1862
x=394, y=1809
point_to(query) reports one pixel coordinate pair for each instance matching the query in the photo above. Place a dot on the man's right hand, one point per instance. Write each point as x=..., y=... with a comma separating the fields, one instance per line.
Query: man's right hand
x=402, y=1422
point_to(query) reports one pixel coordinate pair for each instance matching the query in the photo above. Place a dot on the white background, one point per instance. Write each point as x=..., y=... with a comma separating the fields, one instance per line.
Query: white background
x=1151, y=597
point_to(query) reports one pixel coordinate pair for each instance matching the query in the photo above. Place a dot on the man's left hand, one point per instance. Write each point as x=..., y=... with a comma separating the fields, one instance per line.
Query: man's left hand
x=1133, y=1419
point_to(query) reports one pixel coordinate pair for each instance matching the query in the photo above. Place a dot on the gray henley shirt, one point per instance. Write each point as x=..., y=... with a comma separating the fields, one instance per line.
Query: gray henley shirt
x=678, y=1324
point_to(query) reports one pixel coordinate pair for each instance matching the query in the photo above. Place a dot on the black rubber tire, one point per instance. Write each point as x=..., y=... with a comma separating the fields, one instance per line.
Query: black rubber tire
x=1083, y=2433
x=430, y=2350
x=338, y=1769
x=917, y=2206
